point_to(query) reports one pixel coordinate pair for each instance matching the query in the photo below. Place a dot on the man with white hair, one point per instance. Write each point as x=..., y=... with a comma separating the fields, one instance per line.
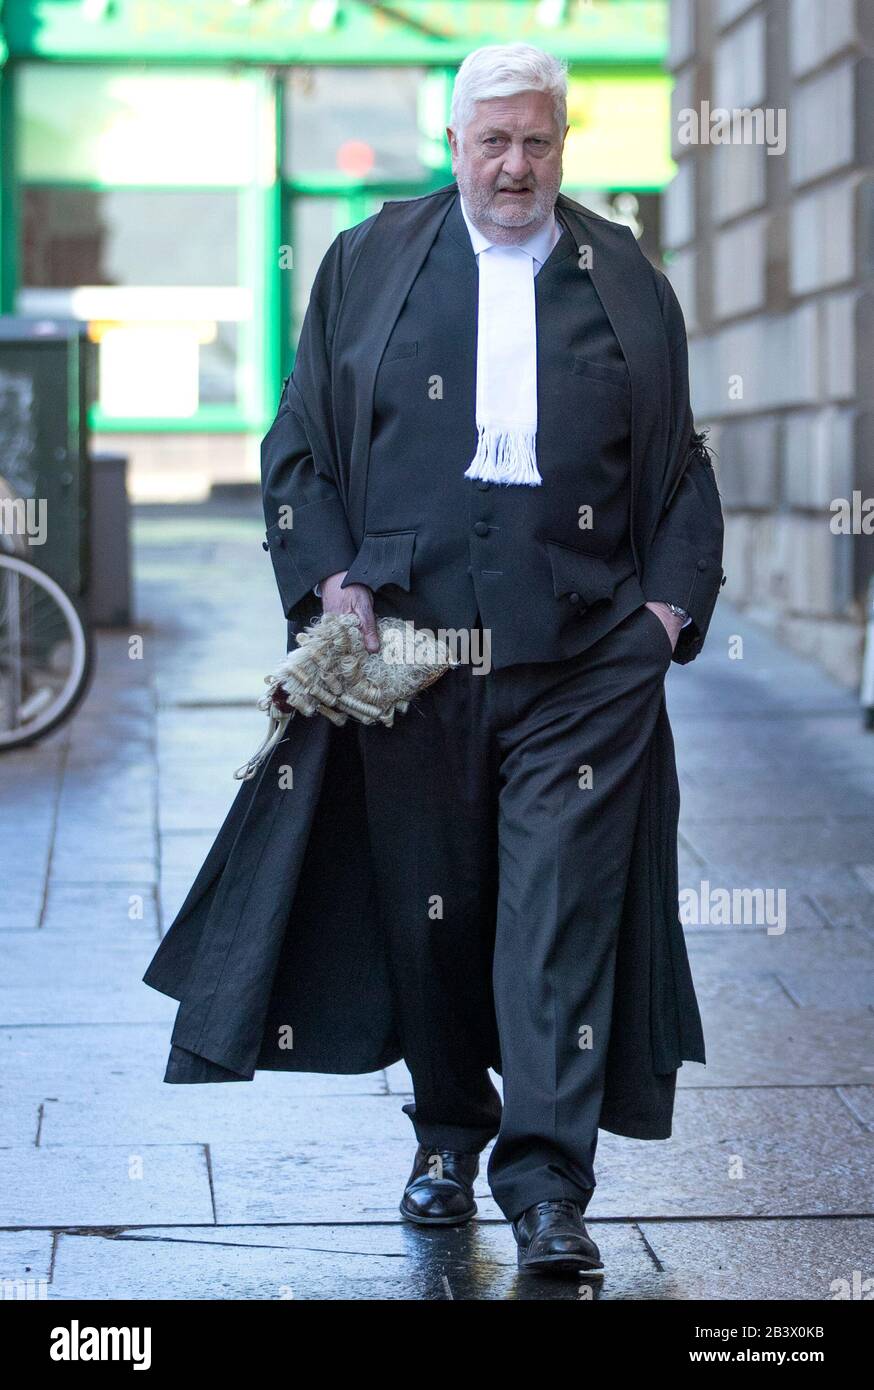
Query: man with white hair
x=488, y=430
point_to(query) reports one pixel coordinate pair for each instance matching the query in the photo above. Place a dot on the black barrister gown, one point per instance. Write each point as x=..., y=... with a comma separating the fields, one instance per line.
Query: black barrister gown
x=276, y=955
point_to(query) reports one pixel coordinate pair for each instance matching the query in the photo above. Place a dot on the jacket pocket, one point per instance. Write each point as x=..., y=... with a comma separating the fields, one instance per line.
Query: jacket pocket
x=394, y=350
x=586, y=579
x=385, y=557
x=602, y=371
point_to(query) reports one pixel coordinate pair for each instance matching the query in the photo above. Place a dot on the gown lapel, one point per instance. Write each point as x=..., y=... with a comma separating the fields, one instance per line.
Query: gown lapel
x=390, y=259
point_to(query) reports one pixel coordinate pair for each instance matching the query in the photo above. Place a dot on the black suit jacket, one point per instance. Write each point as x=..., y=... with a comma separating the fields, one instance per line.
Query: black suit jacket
x=315, y=456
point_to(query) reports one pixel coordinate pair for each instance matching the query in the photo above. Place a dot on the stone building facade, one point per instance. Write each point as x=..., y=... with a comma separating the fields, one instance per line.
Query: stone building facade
x=771, y=250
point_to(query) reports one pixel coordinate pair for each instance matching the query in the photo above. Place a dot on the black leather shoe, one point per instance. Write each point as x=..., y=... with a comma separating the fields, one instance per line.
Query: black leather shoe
x=439, y=1191
x=553, y=1240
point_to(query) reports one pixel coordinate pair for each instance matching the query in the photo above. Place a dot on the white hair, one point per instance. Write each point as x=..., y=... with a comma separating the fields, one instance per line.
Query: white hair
x=505, y=70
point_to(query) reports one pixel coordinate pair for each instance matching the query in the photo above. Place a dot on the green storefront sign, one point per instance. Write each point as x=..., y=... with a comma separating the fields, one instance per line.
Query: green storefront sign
x=333, y=31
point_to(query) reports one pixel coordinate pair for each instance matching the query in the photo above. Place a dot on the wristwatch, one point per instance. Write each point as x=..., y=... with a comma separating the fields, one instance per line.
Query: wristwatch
x=675, y=608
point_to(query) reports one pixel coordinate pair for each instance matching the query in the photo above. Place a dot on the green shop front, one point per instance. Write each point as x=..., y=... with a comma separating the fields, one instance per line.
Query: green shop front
x=171, y=174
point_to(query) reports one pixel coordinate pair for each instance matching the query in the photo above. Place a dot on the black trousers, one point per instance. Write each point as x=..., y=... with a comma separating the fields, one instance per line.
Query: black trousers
x=501, y=812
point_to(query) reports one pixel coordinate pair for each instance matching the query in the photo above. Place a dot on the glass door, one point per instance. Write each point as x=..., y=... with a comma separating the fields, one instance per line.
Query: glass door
x=352, y=138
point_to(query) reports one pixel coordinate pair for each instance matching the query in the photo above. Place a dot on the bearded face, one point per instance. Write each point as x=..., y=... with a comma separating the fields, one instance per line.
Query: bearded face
x=507, y=163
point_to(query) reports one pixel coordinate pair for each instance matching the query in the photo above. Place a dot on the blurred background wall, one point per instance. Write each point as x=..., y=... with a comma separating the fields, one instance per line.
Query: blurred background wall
x=771, y=251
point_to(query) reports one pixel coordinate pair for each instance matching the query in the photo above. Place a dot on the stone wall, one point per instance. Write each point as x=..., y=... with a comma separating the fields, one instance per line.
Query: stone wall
x=772, y=256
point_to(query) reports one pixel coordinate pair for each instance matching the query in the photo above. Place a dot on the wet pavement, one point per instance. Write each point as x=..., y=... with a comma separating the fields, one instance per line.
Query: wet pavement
x=113, y=1185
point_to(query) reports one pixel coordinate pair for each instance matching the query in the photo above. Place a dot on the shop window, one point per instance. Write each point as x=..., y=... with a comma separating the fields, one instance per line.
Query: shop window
x=362, y=123
x=141, y=214
x=153, y=273
x=88, y=124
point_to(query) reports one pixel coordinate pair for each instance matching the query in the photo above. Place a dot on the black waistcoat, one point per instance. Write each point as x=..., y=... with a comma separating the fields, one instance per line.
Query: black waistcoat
x=549, y=568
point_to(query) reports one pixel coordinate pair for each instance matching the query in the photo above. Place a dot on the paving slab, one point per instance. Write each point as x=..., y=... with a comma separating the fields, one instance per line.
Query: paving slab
x=833, y=969
x=830, y=987
x=816, y=896
x=754, y=846
x=339, y=1262
x=80, y=909
x=355, y=1175
x=27, y=847
x=30, y=779
x=726, y=792
x=133, y=1053
x=101, y=854
x=399, y=1080
x=182, y=853
x=744, y=692
x=94, y=789
x=53, y=977
x=762, y=1047
x=110, y=1186
x=709, y=738
x=768, y=1152
x=70, y=1061
x=20, y=1118
x=22, y=904
x=752, y=988
x=109, y=743
x=860, y=1102
x=750, y=1260
x=193, y=797
x=25, y=1264
x=147, y=1111
x=205, y=736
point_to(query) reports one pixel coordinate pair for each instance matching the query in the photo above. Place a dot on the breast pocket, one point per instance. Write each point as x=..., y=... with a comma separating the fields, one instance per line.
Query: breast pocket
x=605, y=372
x=396, y=350
x=385, y=557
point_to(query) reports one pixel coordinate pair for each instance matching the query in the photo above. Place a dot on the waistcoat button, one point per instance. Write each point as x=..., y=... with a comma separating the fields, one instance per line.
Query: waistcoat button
x=481, y=528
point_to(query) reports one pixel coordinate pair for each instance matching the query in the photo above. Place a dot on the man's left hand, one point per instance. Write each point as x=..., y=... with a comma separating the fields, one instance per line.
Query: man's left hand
x=671, y=622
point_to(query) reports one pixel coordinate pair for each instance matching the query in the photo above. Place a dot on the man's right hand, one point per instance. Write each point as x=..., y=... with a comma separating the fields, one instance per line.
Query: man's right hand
x=355, y=598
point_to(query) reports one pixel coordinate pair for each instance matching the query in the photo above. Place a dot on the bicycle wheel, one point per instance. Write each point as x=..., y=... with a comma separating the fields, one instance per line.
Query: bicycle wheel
x=45, y=654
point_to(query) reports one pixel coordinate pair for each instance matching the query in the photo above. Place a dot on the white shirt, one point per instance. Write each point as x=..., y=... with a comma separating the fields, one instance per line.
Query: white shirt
x=538, y=244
